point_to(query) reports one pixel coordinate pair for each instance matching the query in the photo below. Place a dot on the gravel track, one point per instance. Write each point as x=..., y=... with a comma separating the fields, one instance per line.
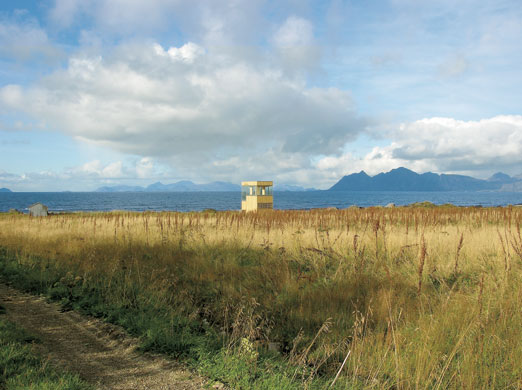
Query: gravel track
x=101, y=353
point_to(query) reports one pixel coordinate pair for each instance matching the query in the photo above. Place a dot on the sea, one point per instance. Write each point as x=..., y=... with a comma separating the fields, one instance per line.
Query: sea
x=197, y=201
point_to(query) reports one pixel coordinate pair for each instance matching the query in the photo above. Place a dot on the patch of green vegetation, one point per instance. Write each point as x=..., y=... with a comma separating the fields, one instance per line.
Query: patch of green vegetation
x=410, y=297
x=424, y=204
x=21, y=368
x=191, y=340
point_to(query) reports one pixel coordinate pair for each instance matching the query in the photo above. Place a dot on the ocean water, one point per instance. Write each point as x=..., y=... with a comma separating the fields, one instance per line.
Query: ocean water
x=196, y=201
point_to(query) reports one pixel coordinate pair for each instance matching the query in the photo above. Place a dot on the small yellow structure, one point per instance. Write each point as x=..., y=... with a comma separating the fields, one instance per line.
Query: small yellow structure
x=257, y=195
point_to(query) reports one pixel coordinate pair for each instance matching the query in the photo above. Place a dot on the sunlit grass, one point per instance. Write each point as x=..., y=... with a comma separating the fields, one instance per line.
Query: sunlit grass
x=417, y=297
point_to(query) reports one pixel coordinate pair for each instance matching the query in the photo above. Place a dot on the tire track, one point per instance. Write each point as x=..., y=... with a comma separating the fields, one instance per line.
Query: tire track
x=100, y=353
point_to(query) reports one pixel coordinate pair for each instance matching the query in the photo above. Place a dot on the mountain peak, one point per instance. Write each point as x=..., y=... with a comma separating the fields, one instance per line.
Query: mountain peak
x=404, y=179
x=401, y=169
x=180, y=186
x=501, y=177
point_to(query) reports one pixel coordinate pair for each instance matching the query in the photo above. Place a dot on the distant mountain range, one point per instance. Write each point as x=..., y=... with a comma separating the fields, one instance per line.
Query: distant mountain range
x=188, y=186
x=399, y=179
x=403, y=179
x=180, y=186
x=289, y=187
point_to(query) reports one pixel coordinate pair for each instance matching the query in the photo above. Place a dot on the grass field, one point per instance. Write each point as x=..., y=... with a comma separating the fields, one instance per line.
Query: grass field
x=402, y=298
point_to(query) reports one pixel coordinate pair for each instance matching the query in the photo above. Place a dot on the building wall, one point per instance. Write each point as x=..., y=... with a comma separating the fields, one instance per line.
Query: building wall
x=38, y=210
x=260, y=202
x=256, y=195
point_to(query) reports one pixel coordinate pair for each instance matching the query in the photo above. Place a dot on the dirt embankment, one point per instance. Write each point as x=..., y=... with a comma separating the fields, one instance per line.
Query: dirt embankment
x=100, y=353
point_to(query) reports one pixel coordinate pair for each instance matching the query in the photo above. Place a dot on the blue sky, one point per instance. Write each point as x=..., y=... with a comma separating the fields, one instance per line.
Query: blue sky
x=107, y=92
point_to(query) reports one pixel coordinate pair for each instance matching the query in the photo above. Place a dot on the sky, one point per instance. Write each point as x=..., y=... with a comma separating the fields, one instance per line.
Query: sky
x=302, y=92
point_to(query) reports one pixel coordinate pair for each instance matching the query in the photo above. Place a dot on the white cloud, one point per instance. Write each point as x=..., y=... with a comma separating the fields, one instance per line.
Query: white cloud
x=11, y=95
x=25, y=40
x=145, y=168
x=295, y=43
x=234, y=96
x=294, y=32
x=456, y=145
x=88, y=176
x=64, y=11
x=95, y=168
x=477, y=148
x=187, y=53
x=189, y=107
x=214, y=23
x=113, y=14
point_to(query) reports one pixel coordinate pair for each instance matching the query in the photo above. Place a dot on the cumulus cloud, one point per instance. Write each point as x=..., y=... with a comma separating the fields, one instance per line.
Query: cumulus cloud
x=35, y=181
x=145, y=168
x=88, y=176
x=11, y=95
x=215, y=23
x=294, y=32
x=478, y=148
x=463, y=145
x=111, y=13
x=234, y=97
x=187, y=106
x=295, y=43
x=64, y=11
x=24, y=40
x=111, y=171
x=186, y=53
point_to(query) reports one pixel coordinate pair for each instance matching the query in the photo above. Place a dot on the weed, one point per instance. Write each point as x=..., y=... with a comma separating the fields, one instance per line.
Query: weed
x=208, y=287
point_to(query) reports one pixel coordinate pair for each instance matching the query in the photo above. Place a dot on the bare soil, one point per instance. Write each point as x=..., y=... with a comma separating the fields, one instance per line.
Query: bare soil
x=101, y=353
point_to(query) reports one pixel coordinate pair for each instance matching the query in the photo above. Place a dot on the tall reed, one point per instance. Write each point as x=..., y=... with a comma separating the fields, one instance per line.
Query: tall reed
x=301, y=268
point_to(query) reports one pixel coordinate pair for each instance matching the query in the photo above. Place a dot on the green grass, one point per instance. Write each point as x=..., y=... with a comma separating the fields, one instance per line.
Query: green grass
x=420, y=297
x=190, y=340
x=21, y=368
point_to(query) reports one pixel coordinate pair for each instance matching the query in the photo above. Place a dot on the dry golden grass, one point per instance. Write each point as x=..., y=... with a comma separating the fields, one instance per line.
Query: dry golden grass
x=416, y=297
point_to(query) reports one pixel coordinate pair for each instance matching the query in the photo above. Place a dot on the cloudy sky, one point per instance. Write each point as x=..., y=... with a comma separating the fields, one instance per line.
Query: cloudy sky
x=107, y=92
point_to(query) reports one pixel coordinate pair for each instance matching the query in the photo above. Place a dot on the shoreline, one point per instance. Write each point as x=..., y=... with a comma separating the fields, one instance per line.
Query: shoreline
x=425, y=204
x=231, y=201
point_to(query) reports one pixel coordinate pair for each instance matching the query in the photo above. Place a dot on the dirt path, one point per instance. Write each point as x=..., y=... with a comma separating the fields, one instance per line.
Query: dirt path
x=100, y=353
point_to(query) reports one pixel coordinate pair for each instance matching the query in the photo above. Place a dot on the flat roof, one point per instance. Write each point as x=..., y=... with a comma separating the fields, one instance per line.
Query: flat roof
x=257, y=183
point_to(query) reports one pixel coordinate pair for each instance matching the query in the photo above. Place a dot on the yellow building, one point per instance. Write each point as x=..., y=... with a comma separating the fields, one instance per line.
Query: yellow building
x=256, y=195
